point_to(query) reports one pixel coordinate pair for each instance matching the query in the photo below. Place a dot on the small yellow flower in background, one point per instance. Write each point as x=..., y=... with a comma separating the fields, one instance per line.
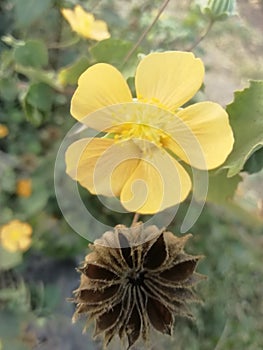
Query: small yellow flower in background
x=3, y=131
x=24, y=188
x=16, y=236
x=140, y=158
x=84, y=24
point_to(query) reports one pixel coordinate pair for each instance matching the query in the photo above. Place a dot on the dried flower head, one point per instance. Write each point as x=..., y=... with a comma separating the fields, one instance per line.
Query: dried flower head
x=135, y=280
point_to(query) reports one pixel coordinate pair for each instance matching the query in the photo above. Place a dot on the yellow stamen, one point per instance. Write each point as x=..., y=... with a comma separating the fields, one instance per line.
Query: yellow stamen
x=141, y=132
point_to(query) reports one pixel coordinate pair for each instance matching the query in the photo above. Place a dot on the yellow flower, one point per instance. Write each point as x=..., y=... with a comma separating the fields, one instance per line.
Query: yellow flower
x=24, y=187
x=16, y=236
x=3, y=131
x=85, y=24
x=140, y=158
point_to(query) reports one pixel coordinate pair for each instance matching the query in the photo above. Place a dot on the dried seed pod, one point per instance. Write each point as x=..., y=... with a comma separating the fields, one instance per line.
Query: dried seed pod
x=134, y=280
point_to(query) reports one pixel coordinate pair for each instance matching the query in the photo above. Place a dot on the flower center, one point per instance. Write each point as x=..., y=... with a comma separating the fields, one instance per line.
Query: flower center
x=145, y=136
x=141, y=131
x=15, y=235
x=142, y=123
x=136, y=278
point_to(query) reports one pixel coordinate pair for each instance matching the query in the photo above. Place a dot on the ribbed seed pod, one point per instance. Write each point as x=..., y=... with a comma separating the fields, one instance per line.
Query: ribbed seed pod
x=134, y=280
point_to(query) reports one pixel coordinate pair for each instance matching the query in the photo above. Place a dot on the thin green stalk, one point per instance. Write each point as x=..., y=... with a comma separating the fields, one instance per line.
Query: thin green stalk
x=146, y=31
x=201, y=38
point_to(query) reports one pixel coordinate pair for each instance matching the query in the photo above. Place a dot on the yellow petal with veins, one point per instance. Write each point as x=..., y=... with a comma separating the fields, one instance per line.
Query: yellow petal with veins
x=168, y=79
x=99, y=86
x=157, y=183
x=102, y=165
x=120, y=117
x=207, y=138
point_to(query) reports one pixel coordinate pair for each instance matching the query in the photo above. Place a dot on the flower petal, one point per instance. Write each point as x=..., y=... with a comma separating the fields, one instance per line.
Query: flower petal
x=99, y=86
x=10, y=245
x=15, y=236
x=102, y=165
x=71, y=17
x=99, y=31
x=84, y=23
x=207, y=138
x=119, y=118
x=24, y=243
x=169, y=78
x=157, y=183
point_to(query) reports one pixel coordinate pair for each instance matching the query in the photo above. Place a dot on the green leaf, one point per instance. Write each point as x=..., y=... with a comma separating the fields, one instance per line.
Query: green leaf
x=7, y=179
x=10, y=325
x=15, y=295
x=255, y=162
x=71, y=73
x=36, y=202
x=40, y=96
x=111, y=50
x=114, y=51
x=8, y=89
x=28, y=11
x=33, y=54
x=6, y=61
x=131, y=84
x=246, y=118
x=33, y=115
x=37, y=102
x=9, y=260
x=39, y=75
x=221, y=188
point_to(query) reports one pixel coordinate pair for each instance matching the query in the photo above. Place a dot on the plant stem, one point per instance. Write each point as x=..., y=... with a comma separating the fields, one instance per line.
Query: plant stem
x=146, y=31
x=210, y=25
x=95, y=5
x=135, y=219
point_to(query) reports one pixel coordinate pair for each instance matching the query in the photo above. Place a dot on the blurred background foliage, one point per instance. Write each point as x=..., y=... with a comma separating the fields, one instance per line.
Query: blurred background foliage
x=41, y=59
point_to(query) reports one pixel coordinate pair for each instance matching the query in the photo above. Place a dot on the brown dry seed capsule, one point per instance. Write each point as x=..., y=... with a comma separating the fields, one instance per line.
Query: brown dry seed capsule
x=134, y=280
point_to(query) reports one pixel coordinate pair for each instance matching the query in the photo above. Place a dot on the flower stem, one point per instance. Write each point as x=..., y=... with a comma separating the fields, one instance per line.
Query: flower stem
x=135, y=219
x=146, y=31
x=95, y=5
x=210, y=25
